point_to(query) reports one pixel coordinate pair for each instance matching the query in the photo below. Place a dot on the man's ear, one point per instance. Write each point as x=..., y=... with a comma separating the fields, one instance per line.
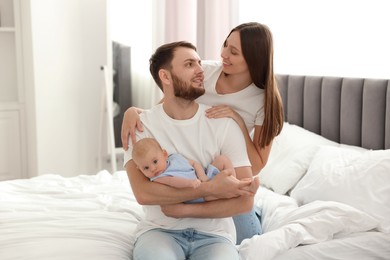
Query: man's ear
x=165, y=76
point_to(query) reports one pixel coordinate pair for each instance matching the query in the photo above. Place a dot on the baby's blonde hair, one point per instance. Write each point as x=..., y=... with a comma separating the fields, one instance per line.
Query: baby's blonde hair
x=144, y=145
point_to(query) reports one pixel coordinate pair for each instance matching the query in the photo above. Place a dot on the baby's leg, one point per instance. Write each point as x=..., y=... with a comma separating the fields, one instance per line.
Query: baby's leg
x=222, y=162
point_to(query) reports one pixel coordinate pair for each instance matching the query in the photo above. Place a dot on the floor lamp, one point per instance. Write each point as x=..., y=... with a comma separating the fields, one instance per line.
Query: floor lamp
x=107, y=111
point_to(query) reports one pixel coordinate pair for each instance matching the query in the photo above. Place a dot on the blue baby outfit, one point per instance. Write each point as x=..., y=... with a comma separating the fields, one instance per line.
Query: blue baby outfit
x=178, y=166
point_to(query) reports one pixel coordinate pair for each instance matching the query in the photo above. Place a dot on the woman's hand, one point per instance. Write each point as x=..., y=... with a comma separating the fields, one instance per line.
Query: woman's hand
x=131, y=122
x=222, y=111
x=225, y=111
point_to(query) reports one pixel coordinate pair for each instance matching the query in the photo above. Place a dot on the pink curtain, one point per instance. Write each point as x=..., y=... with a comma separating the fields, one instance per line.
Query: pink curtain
x=202, y=22
x=215, y=19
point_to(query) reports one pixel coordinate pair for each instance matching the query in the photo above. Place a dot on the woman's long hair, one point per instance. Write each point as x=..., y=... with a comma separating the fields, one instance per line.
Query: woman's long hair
x=258, y=52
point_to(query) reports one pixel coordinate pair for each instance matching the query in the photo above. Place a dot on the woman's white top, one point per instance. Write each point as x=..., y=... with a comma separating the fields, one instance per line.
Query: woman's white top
x=249, y=102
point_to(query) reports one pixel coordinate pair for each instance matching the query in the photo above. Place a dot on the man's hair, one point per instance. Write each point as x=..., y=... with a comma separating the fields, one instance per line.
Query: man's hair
x=162, y=58
x=144, y=145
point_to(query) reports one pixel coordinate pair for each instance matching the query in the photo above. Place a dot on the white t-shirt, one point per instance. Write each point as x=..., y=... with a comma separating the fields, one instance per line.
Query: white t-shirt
x=249, y=102
x=199, y=139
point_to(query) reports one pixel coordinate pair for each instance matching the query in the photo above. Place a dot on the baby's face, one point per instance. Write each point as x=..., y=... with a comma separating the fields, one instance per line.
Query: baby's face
x=153, y=163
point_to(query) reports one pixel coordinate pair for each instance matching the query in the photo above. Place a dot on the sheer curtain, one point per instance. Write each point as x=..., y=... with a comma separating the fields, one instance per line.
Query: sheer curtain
x=145, y=25
x=215, y=19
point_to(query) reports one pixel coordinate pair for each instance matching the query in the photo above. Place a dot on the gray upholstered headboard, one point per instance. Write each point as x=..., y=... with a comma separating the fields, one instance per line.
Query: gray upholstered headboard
x=352, y=111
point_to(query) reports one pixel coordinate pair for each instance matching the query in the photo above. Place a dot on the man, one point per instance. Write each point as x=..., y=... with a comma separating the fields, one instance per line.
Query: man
x=171, y=229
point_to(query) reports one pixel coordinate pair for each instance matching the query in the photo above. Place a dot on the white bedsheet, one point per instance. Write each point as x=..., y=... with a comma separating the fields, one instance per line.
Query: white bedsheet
x=94, y=217
x=84, y=217
x=342, y=228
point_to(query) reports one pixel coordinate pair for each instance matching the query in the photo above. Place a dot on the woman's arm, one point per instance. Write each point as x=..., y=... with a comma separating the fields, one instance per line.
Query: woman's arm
x=257, y=156
x=131, y=122
x=262, y=153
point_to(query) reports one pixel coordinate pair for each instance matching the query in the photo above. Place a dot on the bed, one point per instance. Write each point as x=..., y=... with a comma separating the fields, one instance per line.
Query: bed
x=325, y=191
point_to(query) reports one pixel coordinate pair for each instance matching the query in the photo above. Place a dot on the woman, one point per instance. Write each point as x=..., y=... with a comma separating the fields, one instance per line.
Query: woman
x=242, y=86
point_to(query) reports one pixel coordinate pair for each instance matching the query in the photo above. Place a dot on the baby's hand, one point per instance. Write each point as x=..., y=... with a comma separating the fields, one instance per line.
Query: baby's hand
x=196, y=183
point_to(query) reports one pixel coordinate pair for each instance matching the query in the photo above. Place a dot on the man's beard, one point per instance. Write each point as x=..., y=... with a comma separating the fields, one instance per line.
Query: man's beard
x=185, y=90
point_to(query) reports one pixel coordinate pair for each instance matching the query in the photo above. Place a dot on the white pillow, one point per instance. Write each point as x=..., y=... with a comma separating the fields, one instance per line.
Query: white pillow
x=291, y=153
x=360, y=179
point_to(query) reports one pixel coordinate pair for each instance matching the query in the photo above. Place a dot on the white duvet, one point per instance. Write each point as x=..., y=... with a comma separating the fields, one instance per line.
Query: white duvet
x=94, y=217
x=51, y=217
x=287, y=226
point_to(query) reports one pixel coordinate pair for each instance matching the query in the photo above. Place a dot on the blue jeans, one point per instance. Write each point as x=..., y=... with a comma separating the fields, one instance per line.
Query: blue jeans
x=189, y=244
x=248, y=225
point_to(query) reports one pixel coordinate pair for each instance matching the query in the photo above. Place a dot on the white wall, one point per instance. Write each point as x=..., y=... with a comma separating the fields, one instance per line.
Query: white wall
x=326, y=37
x=68, y=47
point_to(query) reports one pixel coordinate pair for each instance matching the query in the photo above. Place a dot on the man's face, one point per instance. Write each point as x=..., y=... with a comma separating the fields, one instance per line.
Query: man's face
x=184, y=89
x=187, y=74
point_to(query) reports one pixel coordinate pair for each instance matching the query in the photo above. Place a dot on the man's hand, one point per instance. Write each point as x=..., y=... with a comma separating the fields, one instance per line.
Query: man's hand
x=225, y=186
x=234, y=197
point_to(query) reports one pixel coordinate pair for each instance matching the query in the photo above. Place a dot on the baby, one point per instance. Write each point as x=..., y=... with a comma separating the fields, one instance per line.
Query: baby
x=175, y=170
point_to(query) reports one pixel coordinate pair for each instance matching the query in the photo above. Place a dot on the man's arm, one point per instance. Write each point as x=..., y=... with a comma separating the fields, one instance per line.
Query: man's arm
x=216, y=208
x=224, y=185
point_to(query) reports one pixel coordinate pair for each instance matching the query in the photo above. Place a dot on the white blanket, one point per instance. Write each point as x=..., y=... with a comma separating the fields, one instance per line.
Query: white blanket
x=94, y=217
x=286, y=225
x=55, y=218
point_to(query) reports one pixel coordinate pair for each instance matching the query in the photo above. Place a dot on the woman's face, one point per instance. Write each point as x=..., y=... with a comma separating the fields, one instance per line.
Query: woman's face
x=232, y=57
